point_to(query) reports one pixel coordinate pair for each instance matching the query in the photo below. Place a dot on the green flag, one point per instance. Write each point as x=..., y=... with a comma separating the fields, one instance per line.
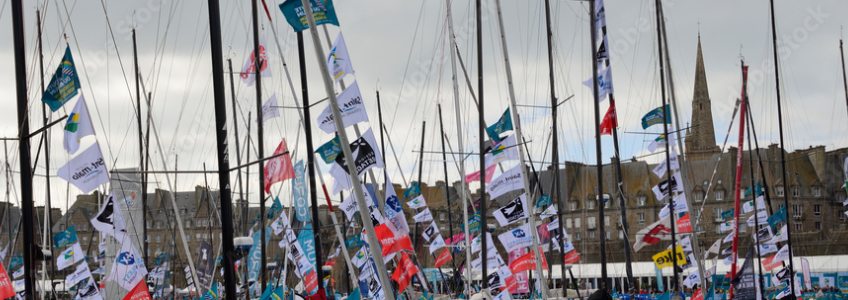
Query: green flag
x=330, y=150
x=323, y=11
x=655, y=116
x=503, y=124
x=778, y=216
x=64, y=85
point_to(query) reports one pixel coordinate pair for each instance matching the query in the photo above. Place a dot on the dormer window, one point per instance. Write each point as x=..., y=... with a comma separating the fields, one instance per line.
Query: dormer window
x=816, y=191
x=719, y=195
x=641, y=200
x=796, y=192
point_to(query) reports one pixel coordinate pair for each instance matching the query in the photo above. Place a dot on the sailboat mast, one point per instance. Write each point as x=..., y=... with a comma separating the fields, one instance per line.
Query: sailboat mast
x=235, y=131
x=600, y=167
x=484, y=220
x=23, y=143
x=738, y=182
x=140, y=147
x=844, y=78
x=345, y=145
x=555, y=142
x=754, y=196
x=419, y=241
x=782, y=145
x=223, y=153
x=447, y=191
x=260, y=138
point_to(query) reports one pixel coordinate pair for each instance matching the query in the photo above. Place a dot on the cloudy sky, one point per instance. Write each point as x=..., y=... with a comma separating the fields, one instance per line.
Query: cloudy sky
x=400, y=48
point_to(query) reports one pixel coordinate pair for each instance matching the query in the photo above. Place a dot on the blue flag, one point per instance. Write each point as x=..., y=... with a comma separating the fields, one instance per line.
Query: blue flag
x=330, y=150
x=275, y=208
x=322, y=10
x=778, y=216
x=307, y=242
x=17, y=261
x=301, y=205
x=728, y=213
x=758, y=187
x=656, y=117
x=212, y=293
x=254, y=259
x=354, y=295
x=65, y=238
x=353, y=242
x=503, y=124
x=64, y=85
x=543, y=202
x=413, y=190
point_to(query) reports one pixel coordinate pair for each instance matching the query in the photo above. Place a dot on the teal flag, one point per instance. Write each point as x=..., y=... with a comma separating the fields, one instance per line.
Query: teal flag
x=728, y=213
x=322, y=10
x=307, y=242
x=354, y=295
x=758, y=187
x=279, y=293
x=353, y=242
x=266, y=295
x=410, y=192
x=64, y=85
x=656, y=117
x=660, y=285
x=543, y=202
x=474, y=223
x=778, y=216
x=299, y=193
x=275, y=208
x=65, y=238
x=212, y=293
x=330, y=150
x=16, y=262
x=503, y=124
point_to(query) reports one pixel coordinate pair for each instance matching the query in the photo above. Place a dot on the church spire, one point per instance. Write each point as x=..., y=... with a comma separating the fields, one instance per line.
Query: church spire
x=700, y=140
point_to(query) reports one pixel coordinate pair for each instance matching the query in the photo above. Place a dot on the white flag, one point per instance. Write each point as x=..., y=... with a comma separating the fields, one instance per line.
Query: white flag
x=680, y=206
x=767, y=248
x=423, y=216
x=437, y=244
x=270, y=109
x=430, y=232
x=661, y=189
x=17, y=274
x=248, y=72
x=512, y=212
x=516, y=238
x=280, y=224
x=70, y=256
x=110, y=220
x=351, y=107
x=780, y=236
x=77, y=126
x=82, y=272
x=692, y=279
x=477, y=243
x=728, y=238
x=715, y=248
x=748, y=207
x=762, y=218
x=338, y=61
x=417, y=202
x=128, y=269
x=554, y=225
x=549, y=212
x=395, y=217
x=506, y=150
x=508, y=181
x=782, y=254
x=660, y=169
x=660, y=141
x=87, y=170
x=604, y=83
x=349, y=206
x=727, y=226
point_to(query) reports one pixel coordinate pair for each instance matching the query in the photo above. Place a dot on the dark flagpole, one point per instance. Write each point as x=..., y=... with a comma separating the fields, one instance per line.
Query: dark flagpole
x=45, y=138
x=223, y=153
x=23, y=144
x=447, y=192
x=235, y=134
x=782, y=149
x=260, y=139
x=482, y=140
x=754, y=195
x=140, y=147
x=844, y=78
x=418, y=237
x=600, y=166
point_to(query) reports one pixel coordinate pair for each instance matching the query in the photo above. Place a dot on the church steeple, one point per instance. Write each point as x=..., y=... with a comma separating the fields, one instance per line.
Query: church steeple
x=700, y=140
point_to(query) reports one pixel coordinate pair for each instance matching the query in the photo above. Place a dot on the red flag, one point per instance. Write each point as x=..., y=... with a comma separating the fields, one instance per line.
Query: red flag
x=443, y=258
x=511, y=284
x=402, y=244
x=331, y=263
x=311, y=280
x=571, y=257
x=684, y=224
x=320, y=295
x=139, y=292
x=472, y=177
x=610, y=121
x=6, y=288
x=527, y=262
x=698, y=295
x=769, y=263
x=386, y=238
x=279, y=168
x=404, y=272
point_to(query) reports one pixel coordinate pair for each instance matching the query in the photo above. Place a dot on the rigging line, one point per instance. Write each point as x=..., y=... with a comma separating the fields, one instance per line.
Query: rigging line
x=409, y=57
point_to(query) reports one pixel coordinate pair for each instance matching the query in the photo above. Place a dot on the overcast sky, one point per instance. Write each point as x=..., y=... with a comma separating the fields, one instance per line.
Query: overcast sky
x=400, y=48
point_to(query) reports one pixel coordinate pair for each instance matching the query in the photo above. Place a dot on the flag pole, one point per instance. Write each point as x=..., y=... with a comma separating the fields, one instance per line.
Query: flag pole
x=754, y=196
x=260, y=138
x=738, y=183
x=600, y=168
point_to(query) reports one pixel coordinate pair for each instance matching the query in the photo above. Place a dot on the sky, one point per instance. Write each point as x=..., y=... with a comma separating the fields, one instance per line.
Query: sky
x=400, y=48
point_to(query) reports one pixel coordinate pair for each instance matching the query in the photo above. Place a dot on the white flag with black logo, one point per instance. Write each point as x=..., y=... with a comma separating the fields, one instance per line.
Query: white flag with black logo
x=512, y=212
x=81, y=272
x=423, y=216
x=86, y=171
x=366, y=155
x=110, y=220
x=437, y=243
x=430, y=232
x=351, y=107
x=508, y=181
x=662, y=189
x=89, y=292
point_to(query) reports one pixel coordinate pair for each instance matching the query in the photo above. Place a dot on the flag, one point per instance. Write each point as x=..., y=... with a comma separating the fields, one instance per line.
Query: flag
x=430, y=232
x=655, y=116
x=413, y=190
x=527, y=262
x=436, y=244
x=477, y=243
x=744, y=283
x=728, y=214
x=323, y=11
x=248, y=72
x=17, y=274
x=610, y=119
x=417, y=202
x=600, y=15
x=778, y=216
x=503, y=124
x=109, y=219
x=443, y=258
x=351, y=107
x=571, y=257
x=548, y=212
x=212, y=293
x=274, y=209
x=475, y=176
x=139, y=292
x=6, y=288
x=423, y=216
x=664, y=259
x=508, y=181
x=338, y=61
x=270, y=109
x=715, y=247
x=395, y=217
x=77, y=126
x=805, y=269
x=512, y=212
x=366, y=154
x=604, y=83
x=661, y=190
x=280, y=224
x=128, y=270
x=404, y=272
x=64, y=85
x=762, y=218
x=543, y=201
x=278, y=168
x=65, y=238
x=748, y=207
x=86, y=171
x=767, y=248
x=652, y=234
x=780, y=236
x=516, y=238
x=505, y=150
x=330, y=150
x=81, y=272
x=759, y=189
x=90, y=291
x=727, y=226
x=783, y=254
x=70, y=256
x=660, y=141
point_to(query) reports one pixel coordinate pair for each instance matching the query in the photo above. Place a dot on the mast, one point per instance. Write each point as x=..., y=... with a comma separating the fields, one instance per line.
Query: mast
x=782, y=146
x=140, y=147
x=418, y=241
x=600, y=167
x=460, y=146
x=447, y=191
x=555, y=146
x=235, y=132
x=345, y=145
x=484, y=222
x=673, y=225
x=223, y=153
x=260, y=140
x=844, y=78
x=48, y=222
x=754, y=196
x=738, y=183
x=23, y=144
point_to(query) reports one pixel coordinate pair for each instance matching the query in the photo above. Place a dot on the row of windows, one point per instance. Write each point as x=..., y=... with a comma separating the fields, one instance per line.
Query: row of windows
x=188, y=224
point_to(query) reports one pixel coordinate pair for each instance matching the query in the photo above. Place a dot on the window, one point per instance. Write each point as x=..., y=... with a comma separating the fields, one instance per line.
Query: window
x=717, y=213
x=607, y=221
x=158, y=224
x=183, y=211
x=441, y=216
x=817, y=209
x=188, y=237
x=607, y=202
x=94, y=239
x=590, y=222
x=718, y=229
x=799, y=227
x=576, y=222
x=621, y=234
x=641, y=218
x=84, y=226
x=187, y=224
x=719, y=195
x=158, y=238
x=699, y=196
x=197, y=237
x=576, y=236
x=641, y=200
x=568, y=223
x=147, y=225
x=842, y=215
x=796, y=192
x=797, y=211
x=572, y=205
x=85, y=240
x=816, y=191
x=779, y=191
x=198, y=223
x=158, y=250
x=818, y=225
x=607, y=233
x=591, y=235
x=148, y=238
x=590, y=204
x=743, y=227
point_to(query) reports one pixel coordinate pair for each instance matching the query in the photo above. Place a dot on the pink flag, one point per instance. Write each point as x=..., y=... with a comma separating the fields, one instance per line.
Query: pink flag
x=476, y=175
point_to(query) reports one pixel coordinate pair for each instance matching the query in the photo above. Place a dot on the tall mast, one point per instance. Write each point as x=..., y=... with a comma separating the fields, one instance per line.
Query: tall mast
x=555, y=141
x=236, y=134
x=23, y=144
x=447, y=191
x=419, y=241
x=484, y=222
x=754, y=196
x=782, y=146
x=345, y=145
x=738, y=182
x=223, y=153
x=140, y=147
x=600, y=167
x=460, y=145
x=844, y=78
x=260, y=138
x=48, y=222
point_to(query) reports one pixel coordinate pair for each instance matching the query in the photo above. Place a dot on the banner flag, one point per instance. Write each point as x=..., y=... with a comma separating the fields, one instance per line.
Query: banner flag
x=86, y=171
x=77, y=126
x=655, y=117
x=338, y=61
x=351, y=107
x=64, y=85
x=322, y=10
x=248, y=72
